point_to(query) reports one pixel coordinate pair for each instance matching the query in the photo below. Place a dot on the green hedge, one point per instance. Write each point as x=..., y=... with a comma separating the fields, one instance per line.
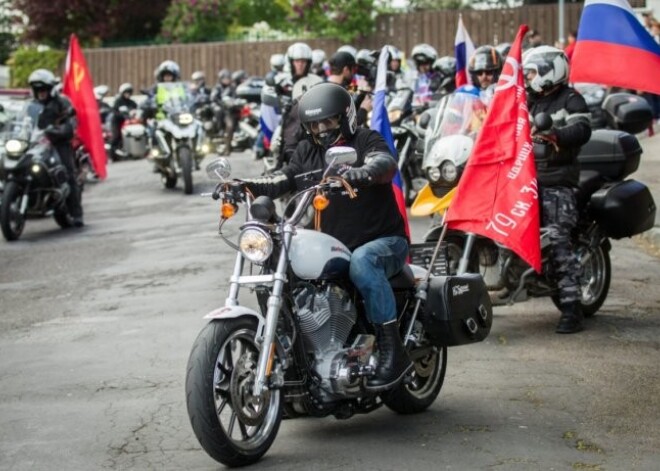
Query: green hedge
x=26, y=59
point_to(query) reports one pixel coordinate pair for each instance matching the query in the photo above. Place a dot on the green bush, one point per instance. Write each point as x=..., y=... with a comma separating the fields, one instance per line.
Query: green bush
x=26, y=59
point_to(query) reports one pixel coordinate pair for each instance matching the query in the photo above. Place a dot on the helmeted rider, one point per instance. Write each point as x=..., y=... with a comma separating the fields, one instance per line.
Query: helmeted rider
x=167, y=72
x=224, y=92
x=122, y=106
x=426, y=83
x=319, y=63
x=198, y=87
x=546, y=75
x=445, y=67
x=299, y=56
x=369, y=225
x=484, y=67
x=55, y=116
x=503, y=49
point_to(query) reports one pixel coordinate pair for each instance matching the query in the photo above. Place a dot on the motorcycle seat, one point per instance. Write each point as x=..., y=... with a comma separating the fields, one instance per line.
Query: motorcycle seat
x=403, y=279
x=590, y=182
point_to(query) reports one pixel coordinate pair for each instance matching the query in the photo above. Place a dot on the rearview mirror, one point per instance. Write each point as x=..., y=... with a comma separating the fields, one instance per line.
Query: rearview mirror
x=219, y=169
x=340, y=156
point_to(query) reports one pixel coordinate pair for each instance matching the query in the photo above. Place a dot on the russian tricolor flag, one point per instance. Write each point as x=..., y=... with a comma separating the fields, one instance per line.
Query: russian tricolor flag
x=463, y=50
x=613, y=48
x=381, y=123
x=269, y=119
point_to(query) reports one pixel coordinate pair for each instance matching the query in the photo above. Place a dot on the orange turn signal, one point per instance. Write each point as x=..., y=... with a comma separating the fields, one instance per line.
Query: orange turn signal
x=321, y=202
x=227, y=210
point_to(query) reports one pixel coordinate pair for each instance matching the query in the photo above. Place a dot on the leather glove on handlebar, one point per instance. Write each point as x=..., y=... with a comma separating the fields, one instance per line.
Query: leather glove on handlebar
x=358, y=176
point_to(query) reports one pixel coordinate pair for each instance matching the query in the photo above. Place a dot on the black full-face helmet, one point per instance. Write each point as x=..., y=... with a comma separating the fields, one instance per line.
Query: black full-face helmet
x=41, y=80
x=327, y=113
x=485, y=58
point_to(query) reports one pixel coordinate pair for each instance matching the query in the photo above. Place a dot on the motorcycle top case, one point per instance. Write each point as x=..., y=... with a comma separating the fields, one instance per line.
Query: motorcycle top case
x=458, y=310
x=624, y=209
x=613, y=154
x=627, y=112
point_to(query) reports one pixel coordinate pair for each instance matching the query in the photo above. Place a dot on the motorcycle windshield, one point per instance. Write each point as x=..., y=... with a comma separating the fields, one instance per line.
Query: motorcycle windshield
x=20, y=128
x=174, y=97
x=461, y=113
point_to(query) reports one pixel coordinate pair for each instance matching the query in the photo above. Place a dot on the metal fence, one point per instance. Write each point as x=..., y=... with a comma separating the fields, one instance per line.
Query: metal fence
x=112, y=66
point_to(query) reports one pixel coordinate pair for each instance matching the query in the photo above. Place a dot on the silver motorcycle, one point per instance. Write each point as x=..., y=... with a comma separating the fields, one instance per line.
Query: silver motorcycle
x=308, y=350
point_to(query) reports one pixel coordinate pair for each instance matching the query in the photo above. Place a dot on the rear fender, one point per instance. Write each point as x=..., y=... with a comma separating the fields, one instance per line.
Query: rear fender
x=234, y=312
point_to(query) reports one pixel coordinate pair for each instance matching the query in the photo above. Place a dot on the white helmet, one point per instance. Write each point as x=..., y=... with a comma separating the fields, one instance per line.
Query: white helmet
x=550, y=65
x=318, y=56
x=348, y=48
x=100, y=91
x=424, y=54
x=299, y=51
x=277, y=62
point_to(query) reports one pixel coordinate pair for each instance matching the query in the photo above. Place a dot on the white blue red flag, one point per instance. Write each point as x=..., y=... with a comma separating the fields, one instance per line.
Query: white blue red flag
x=613, y=48
x=497, y=196
x=463, y=50
x=381, y=123
x=269, y=119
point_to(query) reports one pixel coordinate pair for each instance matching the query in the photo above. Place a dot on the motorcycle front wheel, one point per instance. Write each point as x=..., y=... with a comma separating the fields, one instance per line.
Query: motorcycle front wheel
x=594, y=280
x=12, y=221
x=233, y=426
x=186, y=164
x=421, y=391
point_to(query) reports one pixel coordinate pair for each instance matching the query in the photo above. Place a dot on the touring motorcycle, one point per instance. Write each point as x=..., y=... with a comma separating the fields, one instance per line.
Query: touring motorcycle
x=178, y=139
x=308, y=349
x=610, y=207
x=35, y=180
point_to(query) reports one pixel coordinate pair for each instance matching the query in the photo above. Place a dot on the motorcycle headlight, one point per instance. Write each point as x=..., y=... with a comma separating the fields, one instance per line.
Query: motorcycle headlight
x=255, y=244
x=185, y=118
x=448, y=171
x=14, y=146
x=433, y=174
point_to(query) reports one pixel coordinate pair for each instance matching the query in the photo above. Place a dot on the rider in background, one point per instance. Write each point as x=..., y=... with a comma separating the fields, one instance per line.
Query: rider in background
x=546, y=76
x=55, y=116
x=122, y=106
x=485, y=66
x=426, y=82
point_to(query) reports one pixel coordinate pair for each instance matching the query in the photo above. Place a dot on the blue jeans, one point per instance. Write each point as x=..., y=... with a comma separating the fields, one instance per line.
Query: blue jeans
x=372, y=264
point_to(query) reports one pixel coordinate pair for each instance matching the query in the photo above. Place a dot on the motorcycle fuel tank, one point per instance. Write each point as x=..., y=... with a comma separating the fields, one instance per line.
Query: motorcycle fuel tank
x=318, y=256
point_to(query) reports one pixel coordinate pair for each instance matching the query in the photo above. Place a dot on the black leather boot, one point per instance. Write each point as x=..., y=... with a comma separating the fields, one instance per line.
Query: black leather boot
x=393, y=361
x=570, y=321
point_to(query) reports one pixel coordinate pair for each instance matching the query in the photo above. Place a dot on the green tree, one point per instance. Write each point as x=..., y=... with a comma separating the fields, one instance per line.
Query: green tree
x=9, y=20
x=343, y=19
x=26, y=59
x=274, y=12
x=197, y=20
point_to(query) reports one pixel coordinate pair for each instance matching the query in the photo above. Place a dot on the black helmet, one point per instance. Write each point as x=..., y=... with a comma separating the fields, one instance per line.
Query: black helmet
x=325, y=101
x=168, y=67
x=485, y=58
x=40, y=80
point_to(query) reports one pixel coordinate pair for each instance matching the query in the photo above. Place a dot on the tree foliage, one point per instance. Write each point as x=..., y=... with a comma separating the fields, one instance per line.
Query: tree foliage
x=343, y=19
x=196, y=20
x=26, y=59
x=94, y=22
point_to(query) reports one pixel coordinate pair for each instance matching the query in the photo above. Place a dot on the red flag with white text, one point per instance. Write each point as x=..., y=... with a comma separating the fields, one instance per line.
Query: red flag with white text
x=79, y=88
x=497, y=196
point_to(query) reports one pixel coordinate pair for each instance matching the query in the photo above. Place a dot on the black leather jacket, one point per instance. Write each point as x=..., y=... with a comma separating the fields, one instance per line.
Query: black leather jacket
x=372, y=214
x=56, y=118
x=570, y=116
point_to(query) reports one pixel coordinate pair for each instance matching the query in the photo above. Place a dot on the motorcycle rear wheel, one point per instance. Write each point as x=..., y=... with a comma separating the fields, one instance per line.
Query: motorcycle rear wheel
x=186, y=163
x=594, y=281
x=12, y=221
x=234, y=427
x=418, y=394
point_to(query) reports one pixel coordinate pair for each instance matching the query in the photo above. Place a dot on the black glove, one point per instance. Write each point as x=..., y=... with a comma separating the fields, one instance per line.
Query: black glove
x=53, y=132
x=358, y=176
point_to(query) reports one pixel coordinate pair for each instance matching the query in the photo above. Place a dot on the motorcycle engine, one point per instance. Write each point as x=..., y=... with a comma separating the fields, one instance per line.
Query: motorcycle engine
x=326, y=316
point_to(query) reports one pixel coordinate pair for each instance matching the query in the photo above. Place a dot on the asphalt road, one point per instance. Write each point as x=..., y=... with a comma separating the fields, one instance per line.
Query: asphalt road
x=96, y=326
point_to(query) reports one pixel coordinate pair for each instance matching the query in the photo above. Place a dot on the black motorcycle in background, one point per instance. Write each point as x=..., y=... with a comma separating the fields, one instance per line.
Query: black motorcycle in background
x=35, y=180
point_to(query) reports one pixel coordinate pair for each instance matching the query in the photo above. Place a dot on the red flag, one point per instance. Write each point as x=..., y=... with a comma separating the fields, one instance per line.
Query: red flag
x=497, y=196
x=78, y=86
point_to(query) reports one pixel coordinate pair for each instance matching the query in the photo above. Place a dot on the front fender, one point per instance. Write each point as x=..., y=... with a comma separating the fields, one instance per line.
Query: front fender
x=234, y=312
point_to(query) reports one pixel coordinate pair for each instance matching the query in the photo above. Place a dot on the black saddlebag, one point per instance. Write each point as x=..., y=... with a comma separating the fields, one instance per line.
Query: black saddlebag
x=624, y=209
x=613, y=154
x=627, y=112
x=458, y=310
